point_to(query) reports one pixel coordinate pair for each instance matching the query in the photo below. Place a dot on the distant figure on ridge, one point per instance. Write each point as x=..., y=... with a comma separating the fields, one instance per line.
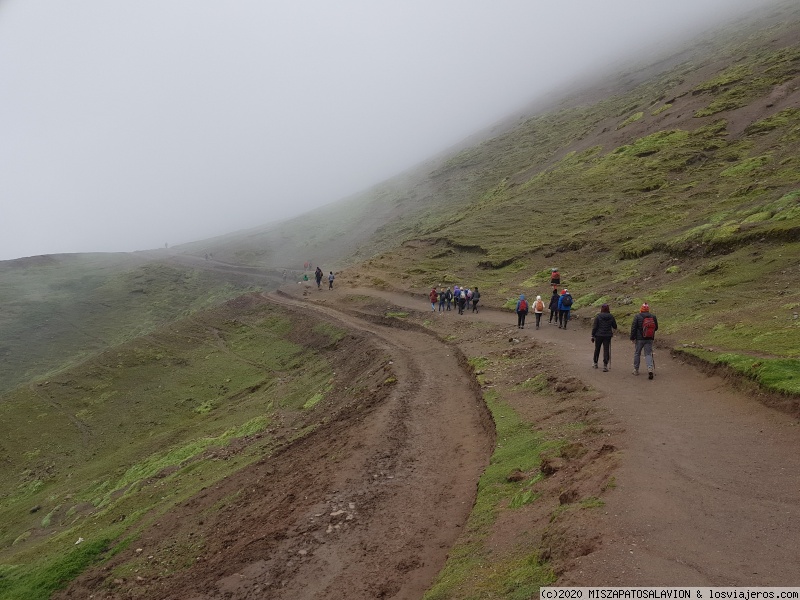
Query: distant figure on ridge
x=330, y=281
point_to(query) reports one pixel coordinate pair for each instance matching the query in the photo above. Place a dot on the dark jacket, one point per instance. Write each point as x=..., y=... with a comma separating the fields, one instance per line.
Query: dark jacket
x=636, y=326
x=604, y=325
x=554, y=301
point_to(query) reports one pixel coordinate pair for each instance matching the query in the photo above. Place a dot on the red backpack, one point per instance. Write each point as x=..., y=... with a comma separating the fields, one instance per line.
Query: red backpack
x=648, y=328
x=523, y=306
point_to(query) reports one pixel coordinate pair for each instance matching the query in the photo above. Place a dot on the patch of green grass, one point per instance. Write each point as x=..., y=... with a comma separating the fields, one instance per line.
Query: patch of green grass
x=632, y=119
x=518, y=448
x=20, y=583
x=776, y=374
x=536, y=384
x=397, y=315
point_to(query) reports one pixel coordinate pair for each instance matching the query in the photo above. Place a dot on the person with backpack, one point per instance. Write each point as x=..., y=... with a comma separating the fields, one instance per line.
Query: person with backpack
x=522, y=311
x=330, y=281
x=442, y=298
x=564, y=308
x=433, y=297
x=603, y=330
x=555, y=279
x=538, y=309
x=476, y=295
x=553, y=306
x=318, y=276
x=448, y=296
x=643, y=332
x=462, y=301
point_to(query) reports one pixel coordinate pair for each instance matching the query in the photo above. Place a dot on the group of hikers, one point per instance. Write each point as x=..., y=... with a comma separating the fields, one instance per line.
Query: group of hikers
x=604, y=325
x=460, y=297
x=559, y=306
x=318, y=275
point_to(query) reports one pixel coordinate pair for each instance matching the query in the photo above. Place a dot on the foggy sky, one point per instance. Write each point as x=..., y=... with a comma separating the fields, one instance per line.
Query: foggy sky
x=127, y=125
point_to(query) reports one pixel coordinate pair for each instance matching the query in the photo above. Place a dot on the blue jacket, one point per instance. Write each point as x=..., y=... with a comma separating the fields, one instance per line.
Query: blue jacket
x=561, y=302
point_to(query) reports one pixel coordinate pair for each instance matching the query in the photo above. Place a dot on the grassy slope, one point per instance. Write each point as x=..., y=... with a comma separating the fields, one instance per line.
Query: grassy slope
x=683, y=191
x=103, y=447
x=61, y=309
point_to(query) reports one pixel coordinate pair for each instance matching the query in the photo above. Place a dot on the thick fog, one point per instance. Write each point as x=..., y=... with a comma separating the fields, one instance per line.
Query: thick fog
x=128, y=125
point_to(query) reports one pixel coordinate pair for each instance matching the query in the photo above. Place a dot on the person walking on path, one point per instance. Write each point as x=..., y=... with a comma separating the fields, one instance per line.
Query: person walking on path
x=476, y=295
x=448, y=296
x=330, y=280
x=462, y=301
x=538, y=309
x=553, y=306
x=433, y=296
x=564, y=308
x=603, y=330
x=643, y=332
x=318, y=277
x=442, y=298
x=522, y=310
x=555, y=279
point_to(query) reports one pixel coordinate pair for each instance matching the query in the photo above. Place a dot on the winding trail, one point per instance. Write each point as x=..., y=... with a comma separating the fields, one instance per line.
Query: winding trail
x=708, y=491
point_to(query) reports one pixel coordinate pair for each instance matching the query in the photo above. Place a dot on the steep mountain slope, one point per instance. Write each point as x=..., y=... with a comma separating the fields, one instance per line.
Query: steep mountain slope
x=682, y=191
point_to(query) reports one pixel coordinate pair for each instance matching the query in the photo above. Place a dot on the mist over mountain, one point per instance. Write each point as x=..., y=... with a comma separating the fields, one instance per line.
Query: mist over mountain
x=192, y=417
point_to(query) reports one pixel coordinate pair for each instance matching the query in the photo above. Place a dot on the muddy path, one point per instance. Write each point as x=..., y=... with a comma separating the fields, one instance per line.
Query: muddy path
x=365, y=506
x=708, y=488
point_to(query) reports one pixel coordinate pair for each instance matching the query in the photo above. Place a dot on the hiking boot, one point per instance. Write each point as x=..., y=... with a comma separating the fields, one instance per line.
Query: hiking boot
x=636, y=371
x=650, y=375
x=605, y=368
x=594, y=365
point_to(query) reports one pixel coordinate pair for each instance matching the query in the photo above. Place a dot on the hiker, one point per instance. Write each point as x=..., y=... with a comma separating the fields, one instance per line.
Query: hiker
x=284, y=274
x=448, y=296
x=433, y=296
x=469, y=297
x=564, y=308
x=462, y=301
x=305, y=276
x=442, y=299
x=476, y=295
x=603, y=330
x=643, y=332
x=555, y=278
x=538, y=309
x=522, y=310
x=330, y=280
x=318, y=277
x=554, y=307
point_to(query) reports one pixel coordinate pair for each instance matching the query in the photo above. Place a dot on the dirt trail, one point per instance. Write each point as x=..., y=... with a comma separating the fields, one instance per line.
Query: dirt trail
x=709, y=485
x=368, y=505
